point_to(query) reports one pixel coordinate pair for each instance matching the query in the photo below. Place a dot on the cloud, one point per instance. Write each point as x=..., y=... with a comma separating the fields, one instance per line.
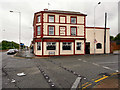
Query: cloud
x=9, y=21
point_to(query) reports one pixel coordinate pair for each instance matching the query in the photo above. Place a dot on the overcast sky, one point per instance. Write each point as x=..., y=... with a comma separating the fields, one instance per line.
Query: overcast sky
x=9, y=21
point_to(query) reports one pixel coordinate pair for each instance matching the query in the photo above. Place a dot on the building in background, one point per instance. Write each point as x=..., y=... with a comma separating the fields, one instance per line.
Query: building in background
x=62, y=33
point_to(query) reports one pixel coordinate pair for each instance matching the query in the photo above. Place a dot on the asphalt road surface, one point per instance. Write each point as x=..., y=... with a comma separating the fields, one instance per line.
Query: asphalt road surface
x=60, y=72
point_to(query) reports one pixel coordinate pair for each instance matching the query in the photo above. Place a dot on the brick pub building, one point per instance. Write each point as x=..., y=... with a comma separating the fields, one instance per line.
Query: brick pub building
x=62, y=33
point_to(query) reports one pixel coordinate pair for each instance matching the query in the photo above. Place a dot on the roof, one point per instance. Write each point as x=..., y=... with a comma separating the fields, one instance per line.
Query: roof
x=63, y=12
x=97, y=27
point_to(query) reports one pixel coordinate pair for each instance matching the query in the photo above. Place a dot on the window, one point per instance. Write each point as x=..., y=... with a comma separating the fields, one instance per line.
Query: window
x=62, y=30
x=74, y=20
x=38, y=18
x=62, y=19
x=73, y=31
x=51, y=30
x=51, y=18
x=38, y=30
x=78, y=46
x=38, y=45
x=99, y=46
x=67, y=45
x=51, y=46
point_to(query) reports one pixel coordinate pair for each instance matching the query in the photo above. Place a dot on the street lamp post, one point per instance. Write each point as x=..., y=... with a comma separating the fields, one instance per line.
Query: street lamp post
x=19, y=27
x=94, y=26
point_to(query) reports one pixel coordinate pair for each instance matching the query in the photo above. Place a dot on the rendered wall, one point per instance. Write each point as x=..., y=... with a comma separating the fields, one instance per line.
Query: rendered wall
x=99, y=36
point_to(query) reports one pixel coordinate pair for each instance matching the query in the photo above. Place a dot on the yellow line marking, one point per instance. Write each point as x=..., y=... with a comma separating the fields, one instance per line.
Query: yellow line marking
x=96, y=78
x=87, y=85
x=114, y=73
x=101, y=78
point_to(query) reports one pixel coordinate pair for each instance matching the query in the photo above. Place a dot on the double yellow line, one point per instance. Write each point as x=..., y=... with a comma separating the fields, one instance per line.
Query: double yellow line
x=101, y=79
x=85, y=85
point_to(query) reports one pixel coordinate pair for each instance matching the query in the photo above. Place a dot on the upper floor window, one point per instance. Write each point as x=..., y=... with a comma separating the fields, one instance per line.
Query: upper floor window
x=51, y=30
x=78, y=46
x=38, y=45
x=99, y=46
x=73, y=31
x=62, y=19
x=38, y=30
x=51, y=46
x=39, y=18
x=74, y=20
x=62, y=30
x=51, y=18
x=67, y=46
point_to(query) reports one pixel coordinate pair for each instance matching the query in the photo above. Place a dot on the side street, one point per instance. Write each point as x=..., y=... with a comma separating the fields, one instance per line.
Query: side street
x=62, y=72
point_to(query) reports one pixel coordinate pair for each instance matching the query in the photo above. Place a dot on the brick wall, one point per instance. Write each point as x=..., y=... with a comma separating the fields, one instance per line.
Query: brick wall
x=114, y=46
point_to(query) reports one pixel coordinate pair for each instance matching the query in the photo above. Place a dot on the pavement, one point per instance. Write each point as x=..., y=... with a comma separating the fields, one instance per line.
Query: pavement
x=25, y=54
x=116, y=52
x=60, y=72
x=110, y=82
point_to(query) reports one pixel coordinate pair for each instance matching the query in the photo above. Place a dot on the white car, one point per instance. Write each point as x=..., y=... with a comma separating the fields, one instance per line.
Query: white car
x=11, y=51
x=16, y=50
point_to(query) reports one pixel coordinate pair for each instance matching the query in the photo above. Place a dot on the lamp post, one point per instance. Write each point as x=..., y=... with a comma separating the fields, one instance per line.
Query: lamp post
x=94, y=26
x=19, y=27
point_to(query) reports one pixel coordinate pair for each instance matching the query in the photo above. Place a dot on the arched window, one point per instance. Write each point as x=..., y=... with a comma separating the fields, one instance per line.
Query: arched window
x=99, y=46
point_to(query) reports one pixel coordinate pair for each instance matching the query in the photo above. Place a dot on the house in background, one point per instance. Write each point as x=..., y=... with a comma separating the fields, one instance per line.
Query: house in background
x=61, y=33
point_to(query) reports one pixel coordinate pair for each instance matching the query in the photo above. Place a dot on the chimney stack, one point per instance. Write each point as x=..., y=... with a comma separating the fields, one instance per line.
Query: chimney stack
x=45, y=9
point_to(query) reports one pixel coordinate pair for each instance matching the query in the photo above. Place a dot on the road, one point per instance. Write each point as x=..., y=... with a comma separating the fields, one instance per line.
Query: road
x=60, y=72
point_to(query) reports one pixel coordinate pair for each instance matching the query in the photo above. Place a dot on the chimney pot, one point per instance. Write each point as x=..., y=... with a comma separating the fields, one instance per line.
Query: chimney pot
x=45, y=9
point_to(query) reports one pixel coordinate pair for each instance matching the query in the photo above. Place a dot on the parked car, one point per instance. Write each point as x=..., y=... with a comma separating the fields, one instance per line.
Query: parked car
x=16, y=50
x=12, y=51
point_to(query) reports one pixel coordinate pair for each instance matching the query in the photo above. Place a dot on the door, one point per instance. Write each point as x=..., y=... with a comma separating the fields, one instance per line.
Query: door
x=87, y=48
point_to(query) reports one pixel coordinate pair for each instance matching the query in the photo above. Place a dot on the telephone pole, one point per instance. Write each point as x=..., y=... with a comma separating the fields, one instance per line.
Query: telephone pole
x=105, y=33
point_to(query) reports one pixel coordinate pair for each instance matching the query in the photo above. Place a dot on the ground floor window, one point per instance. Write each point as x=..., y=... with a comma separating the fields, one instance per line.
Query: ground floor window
x=99, y=46
x=78, y=46
x=38, y=45
x=51, y=46
x=67, y=46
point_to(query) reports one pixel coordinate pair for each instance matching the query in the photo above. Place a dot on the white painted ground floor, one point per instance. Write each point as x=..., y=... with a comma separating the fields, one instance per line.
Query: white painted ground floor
x=65, y=47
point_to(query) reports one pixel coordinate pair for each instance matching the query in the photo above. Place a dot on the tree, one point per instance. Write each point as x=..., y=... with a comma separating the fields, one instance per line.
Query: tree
x=111, y=38
x=117, y=38
x=4, y=45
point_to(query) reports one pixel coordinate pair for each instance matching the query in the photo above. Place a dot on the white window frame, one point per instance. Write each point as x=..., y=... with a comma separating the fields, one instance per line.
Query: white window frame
x=78, y=44
x=51, y=30
x=73, y=31
x=99, y=47
x=51, y=18
x=38, y=18
x=62, y=18
x=74, y=20
x=67, y=44
x=38, y=30
x=38, y=45
x=50, y=44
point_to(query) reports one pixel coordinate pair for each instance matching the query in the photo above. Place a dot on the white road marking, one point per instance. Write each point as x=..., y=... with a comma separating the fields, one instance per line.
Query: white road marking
x=79, y=59
x=106, y=62
x=107, y=67
x=84, y=61
x=75, y=84
x=117, y=70
x=96, y=64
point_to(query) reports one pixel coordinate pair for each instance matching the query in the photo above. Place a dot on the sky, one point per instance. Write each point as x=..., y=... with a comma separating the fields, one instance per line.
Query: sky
x=9, y=22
